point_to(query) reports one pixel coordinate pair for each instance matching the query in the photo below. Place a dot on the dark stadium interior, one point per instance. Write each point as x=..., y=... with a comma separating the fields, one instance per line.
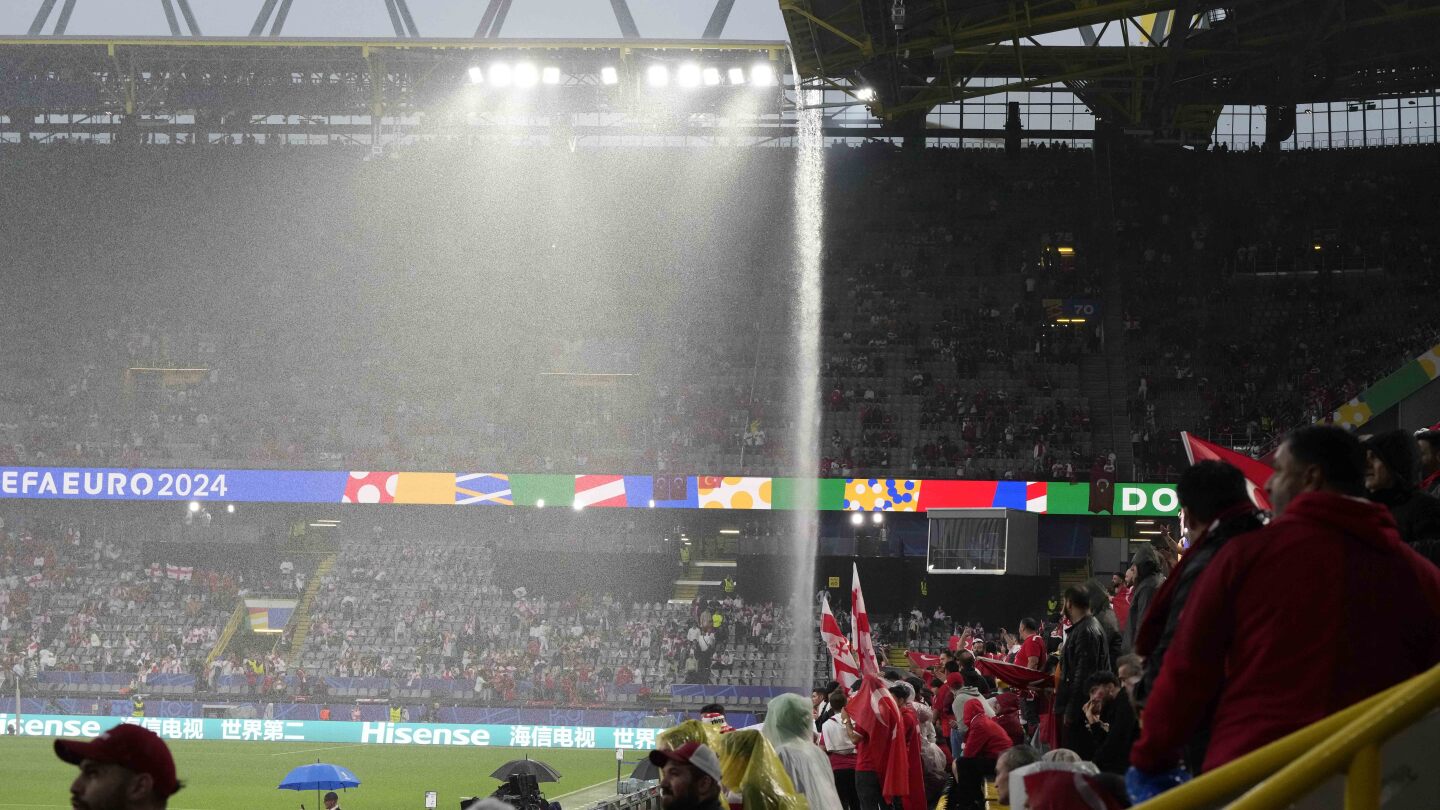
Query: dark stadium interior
x=508, y=351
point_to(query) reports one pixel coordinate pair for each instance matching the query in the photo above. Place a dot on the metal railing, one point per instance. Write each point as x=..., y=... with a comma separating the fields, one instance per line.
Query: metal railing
x=1346, y=742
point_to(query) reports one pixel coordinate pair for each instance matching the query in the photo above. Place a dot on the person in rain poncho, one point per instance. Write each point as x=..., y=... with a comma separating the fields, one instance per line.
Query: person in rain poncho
x=789, y=728
x=751, y=773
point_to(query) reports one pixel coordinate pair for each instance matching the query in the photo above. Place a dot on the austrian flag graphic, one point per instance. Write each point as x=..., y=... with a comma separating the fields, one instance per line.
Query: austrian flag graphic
x=599, y=490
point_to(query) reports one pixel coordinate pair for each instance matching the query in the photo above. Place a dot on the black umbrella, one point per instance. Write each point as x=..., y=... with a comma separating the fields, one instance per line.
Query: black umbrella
x=645, y=771
x=526, y=767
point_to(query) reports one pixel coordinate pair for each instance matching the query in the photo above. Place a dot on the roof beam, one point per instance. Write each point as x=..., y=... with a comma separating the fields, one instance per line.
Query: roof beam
x=625, y=19
x=42, y=16
x=718, y=18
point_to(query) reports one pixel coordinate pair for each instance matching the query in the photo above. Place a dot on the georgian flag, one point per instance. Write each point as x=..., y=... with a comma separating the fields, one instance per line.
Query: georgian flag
x=842, y=653
x=864, y=645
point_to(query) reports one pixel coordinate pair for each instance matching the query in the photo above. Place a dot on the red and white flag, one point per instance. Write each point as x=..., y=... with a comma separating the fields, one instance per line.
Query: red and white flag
x=1256, y=473
x=878, y=717
x=182, y=572
x=864, y=645
x=842, y=654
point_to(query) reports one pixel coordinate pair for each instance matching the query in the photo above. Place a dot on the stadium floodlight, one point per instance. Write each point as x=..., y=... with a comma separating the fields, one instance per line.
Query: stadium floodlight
x=501, y=75
x=762, y=75
x=877, y=518
x=737, y=75
x=550, y=75
x=194, y=506
x=657, y=76
x=865, y=94
x=711, y=76
x=857, y=518
x=526, y=75
x=688, y=75
x=609, y=75
x=477, y=76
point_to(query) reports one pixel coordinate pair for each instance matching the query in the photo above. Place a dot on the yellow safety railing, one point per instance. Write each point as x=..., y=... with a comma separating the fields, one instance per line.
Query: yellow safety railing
x=1348, y=741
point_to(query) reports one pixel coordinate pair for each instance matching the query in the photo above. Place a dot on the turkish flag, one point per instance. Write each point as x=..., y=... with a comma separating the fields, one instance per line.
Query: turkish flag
x=1013, y=674
x=1256, y=473
x=878, y=717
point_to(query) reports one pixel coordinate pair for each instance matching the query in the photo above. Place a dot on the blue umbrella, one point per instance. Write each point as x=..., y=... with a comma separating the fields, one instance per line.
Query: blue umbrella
x=317, y=777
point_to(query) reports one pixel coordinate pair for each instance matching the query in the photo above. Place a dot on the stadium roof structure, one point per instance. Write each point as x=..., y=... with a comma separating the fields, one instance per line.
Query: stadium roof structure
x=264, y=85
x=1158, y=68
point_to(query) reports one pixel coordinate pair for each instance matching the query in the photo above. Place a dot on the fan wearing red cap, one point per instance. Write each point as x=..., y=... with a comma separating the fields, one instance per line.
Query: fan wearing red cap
x=126, y=768
x=689, y=777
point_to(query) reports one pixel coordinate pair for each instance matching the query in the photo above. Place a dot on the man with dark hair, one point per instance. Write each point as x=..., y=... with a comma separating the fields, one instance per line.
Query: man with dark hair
x=1215, y=507
x=1120, y=598
x=1084, y=653
x=689, y=777
x=820, y=703
x=1148, y=578
x=1429, y=441
x=1032, y=647
x=714, y=714
x=126, y=768
x=1110, y=719
x=838, y=740
x=954, y=681
x=1032, y=655
x=1257, y=637
x=1104, y=612
x=1392, y=477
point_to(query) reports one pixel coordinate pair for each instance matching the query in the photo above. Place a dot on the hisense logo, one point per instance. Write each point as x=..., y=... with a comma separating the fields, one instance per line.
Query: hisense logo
x=18, y=726
x=405, y=734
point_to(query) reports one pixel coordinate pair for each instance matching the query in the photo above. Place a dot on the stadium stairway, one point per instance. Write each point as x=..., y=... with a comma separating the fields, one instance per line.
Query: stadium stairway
x=302, y=610
x=899, y=658
x=1104, y=382
x=707, y=569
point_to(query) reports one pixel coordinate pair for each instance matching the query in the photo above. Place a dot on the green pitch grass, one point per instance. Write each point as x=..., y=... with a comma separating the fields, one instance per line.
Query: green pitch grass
x=243, y=775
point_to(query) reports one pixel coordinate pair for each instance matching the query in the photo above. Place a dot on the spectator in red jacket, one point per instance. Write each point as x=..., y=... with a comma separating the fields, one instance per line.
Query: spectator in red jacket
x=1259, y=629
x=984, y=743
x=985, y=739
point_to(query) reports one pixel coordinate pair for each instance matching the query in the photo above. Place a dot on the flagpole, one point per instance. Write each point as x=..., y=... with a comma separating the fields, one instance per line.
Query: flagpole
x=1185, y=442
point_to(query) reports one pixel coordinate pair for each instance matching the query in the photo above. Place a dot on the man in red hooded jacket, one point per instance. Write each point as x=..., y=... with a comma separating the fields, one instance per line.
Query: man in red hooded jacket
x=985, y=741
x=1259, y=632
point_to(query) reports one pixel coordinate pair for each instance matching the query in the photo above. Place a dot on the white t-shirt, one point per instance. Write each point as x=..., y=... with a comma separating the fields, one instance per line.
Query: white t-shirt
x=835, y=737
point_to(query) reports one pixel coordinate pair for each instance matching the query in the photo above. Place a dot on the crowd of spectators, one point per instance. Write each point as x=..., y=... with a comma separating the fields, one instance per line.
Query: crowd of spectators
x=382, y=613
x=1231, y=258
x=969, y=383
x=391, y=614
x=73, y=602
x=939, y=357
